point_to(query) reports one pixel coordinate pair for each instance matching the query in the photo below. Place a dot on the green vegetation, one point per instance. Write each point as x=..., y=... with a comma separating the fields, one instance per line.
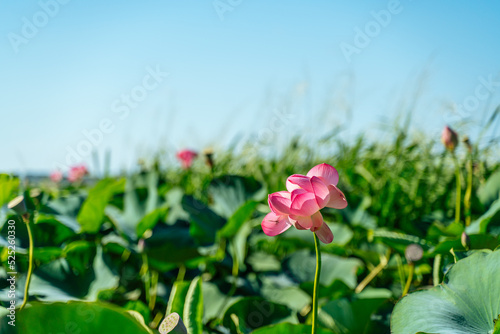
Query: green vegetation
x=119, y=254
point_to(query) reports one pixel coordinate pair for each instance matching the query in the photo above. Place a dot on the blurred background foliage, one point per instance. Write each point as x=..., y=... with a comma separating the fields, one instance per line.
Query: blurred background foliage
x=131, y=249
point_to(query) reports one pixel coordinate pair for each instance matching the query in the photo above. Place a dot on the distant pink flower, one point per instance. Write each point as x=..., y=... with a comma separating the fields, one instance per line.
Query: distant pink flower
x=449, y=138
x=186, y=158
x=56, y=176
x=76, y=173
x=300, y=206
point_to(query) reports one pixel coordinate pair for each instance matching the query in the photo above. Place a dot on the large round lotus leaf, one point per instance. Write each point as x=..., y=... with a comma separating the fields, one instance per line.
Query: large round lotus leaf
x=72, y=317
x=467, y=302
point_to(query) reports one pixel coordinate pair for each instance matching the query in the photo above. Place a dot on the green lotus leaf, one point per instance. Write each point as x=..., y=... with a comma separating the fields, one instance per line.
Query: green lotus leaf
x=467, y=302
x=72, y=317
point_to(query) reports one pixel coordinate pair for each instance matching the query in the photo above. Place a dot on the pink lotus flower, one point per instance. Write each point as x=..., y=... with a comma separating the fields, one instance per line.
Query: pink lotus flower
x=449, y=138
x=56, y=176
x=186, y=158
x=300, y=206
x=76, y=173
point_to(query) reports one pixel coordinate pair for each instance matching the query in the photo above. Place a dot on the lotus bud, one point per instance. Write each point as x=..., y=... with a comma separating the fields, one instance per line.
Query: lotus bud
x=465, y=239
x=172, y=324
x=413, y=253
x=209, y=157
x=186, y=158
x=467, y=143
x=140, y=245
x=76, y=173
x=56, y=176
x=449, y=138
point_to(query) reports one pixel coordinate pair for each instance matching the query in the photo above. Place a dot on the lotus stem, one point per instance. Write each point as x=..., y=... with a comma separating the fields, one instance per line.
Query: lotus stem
x=181, y=273
x=316, y=285
x=153, y=290
x=436, y=269
x=235, y=271
x=371, y=275
x=147, y=279
x=410, y=278
x=467, y=197
x=459, y=189
x=30, y=262
x=468, y=192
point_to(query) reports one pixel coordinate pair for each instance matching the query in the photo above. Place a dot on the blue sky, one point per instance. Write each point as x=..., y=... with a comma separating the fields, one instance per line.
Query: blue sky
x=236, y=69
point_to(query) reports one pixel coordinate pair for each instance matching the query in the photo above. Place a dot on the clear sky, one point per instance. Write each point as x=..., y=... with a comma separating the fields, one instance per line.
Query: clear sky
x=134, y=77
